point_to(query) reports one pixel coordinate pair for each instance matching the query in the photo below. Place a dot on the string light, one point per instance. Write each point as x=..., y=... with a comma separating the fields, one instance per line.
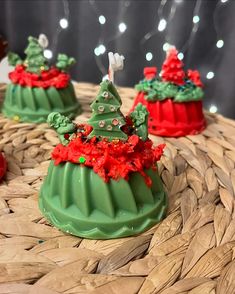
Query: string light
x=220, y=44
x=223, y=1
x=99, y=50
x=162, y=25
x=102, y=19
x=180, y=55
x=210, y=75
x=64, y=23
x=48, y=53
x=196, y=19
x=166, y=46
x=149, y=56
x=213, y=109
x=122, y=27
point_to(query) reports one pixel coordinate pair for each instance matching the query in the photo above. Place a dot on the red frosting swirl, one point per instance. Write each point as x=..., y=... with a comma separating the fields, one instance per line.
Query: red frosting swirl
x=48, y=78
x=111, y=159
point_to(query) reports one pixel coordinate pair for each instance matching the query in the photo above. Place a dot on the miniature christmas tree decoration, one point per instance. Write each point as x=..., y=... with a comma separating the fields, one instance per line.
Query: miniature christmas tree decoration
x=35, y=61
x=107, y=118
x=37, y=89
x=172, y=68
x=103, y=181
x=173, y=99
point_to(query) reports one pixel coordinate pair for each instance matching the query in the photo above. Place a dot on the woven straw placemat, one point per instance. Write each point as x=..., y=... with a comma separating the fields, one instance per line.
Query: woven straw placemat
x=191, y=251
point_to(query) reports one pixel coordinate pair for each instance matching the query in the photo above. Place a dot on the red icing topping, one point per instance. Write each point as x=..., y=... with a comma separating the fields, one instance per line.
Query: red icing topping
x=49, y=78
x=111, y=160
x=150, y=72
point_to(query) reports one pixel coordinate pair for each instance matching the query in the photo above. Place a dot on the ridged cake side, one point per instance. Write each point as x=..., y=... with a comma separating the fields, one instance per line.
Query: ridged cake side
x=33, y=104
x=173, y=119
x=78, y=201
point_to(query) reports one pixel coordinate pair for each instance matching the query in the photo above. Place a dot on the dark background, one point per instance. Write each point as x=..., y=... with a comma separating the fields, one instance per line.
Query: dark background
x=197, y=41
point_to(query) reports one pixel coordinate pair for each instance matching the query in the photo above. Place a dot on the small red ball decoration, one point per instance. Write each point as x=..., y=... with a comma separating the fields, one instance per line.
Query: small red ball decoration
x=194, y=76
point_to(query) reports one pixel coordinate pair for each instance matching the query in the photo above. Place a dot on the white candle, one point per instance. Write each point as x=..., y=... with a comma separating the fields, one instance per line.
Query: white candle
x=115, y=63
x=43, y=41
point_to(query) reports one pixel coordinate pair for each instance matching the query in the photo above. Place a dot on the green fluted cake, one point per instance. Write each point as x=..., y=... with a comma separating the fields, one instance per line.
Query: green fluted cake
x=82, y=204
x=37, y=90
x=104, y=185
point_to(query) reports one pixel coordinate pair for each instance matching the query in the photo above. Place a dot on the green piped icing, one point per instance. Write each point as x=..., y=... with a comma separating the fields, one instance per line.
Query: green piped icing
x=189, y=93
x=76, y=200
x=64, y=62
x=156, y=89
x=14, y=59
x=140, y=119
x=32, y=104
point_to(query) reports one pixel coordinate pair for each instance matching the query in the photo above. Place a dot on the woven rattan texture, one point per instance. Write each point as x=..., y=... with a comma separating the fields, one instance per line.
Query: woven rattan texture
x=191, y=251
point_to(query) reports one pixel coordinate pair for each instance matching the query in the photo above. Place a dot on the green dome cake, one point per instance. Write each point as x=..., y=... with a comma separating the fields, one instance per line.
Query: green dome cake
x=102, y=182
x=37, y=89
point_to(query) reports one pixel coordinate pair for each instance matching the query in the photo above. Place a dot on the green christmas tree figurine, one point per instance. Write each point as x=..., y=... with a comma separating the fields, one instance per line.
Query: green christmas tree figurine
x=64, y=62
x=35, y=60
x=107, y=118
x=63, y=126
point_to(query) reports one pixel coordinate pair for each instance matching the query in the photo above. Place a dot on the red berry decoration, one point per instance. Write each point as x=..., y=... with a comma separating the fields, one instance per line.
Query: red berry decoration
x=150, y=72
x=172, y=68
x=194, y=76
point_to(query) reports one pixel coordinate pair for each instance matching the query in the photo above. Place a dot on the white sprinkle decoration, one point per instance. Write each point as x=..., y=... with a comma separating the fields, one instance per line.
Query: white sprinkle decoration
x=101, y=123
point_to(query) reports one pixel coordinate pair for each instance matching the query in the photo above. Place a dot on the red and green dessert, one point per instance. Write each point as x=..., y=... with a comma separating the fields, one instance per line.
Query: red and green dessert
x=174, y=99
x=102, y=181
x=37, y=89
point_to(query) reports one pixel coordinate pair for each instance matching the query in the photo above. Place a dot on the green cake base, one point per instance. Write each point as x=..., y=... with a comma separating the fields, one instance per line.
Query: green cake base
x=77, y=201
x=32, y=104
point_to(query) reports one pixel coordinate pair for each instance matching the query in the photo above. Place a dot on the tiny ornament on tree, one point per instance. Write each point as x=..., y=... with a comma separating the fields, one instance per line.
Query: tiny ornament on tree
x=37, y=89
x=107, y=169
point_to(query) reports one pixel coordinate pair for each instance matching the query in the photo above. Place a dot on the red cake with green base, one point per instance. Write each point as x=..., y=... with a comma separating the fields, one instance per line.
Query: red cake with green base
x=102, y=182
x=174, y=100
x=37, y=89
